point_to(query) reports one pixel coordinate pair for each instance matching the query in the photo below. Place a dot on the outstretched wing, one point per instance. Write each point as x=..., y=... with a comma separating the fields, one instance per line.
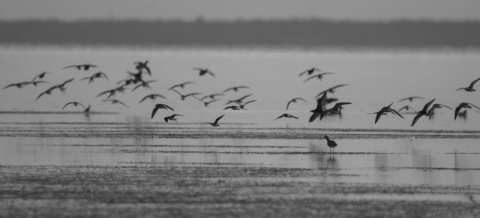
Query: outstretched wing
x=415, y=119
x=154, y=111
x=216, y=120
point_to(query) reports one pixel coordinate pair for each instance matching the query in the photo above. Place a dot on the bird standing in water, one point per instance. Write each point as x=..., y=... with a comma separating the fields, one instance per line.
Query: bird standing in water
x=331, y=144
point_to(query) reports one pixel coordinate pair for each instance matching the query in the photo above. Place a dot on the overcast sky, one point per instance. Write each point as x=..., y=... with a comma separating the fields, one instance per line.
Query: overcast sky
x=240, y=9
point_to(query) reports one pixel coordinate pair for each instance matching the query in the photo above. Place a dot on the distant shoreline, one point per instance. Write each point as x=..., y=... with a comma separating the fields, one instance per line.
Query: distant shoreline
x=304, y=34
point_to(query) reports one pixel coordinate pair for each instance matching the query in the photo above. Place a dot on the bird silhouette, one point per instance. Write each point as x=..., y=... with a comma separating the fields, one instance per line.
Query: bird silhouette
x=431, y=112
x=423, y=112
x=203, y=71
x=80, y=66
x=152, y=97
x=334, y=110
x=239, y=100
x=40, y=75
x=115, y=101
x=183, y=96
x=331, y=144
x=331, y=89
x=319, y=76
x=181, y=85
x=463, y=105
x=74, y=104
x=287, y=116
x=407, y=108
x=95, y=76
x=35, y=83
x=470, y=87
x=142, y=65
x=233, y=107
x=18, y=85
x=411, y=98
x=294, y=100
x=235, y=88
x=160, y=106
x=211, y=96
x=386, y=110
x=206, y=103
x=215, y=124
x=242, y=106
x=321, y=103
x=171, y=117
x=145, y=84
x=87, y=110
x=309, y=71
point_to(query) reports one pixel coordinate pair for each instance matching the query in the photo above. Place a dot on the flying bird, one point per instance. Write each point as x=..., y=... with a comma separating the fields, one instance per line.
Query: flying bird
x=182, y=96
x=294, y=100
x=423, y=112
x=321, y=103
x=235, y=88
x=80, y=66
x=206, y=103
x=319, y=76
x=287, y=116
x=142, y=65
x=215, y=124
x=171, y=117
x=212, y=96
x=74, y=104
x=96, y=75
x=309, y=71
x=410, y=98
x=386, y=110
x=242, y=106
x=463, y=105
x=407, y=108
x=115, y=101
x=152, y=97
x=40, y=75
x=331, y=89
x=160, y=106
x=470, y=87
x=181, y=85
x=203, y=71
x=233, y=107
x=18, y=85
x=431, y=112
x=334, y=110
x=144, y=84
x=240, y=100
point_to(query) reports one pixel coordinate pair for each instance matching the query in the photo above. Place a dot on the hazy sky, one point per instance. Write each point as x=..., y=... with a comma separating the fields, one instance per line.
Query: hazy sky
x=239, y=9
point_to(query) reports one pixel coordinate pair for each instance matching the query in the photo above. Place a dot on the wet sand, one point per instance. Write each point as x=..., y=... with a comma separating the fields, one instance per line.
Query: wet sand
x=218, y=191
x=62, y=169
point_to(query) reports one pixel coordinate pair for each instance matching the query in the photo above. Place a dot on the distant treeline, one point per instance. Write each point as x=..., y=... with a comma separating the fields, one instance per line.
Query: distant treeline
x=280, y=33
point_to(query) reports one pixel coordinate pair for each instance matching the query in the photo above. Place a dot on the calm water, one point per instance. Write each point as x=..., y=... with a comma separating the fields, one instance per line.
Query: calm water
x=128, y=136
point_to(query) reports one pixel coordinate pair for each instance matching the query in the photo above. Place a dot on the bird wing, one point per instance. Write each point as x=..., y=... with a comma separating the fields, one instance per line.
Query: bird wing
x=211, y=73
x=41, y=94
x=309, y=78
x=248, y=102
x=338, y=86
x=304, y=72
x=294, y=117
x=8, y=86
x=289, y=102
x=123, y=104
x=216, y=120
x=67, y=104
x=339, y=104
x=280, y=116
x=322, y=102
x=416, y=118
x=70, y=66
x=154, y=111
x=425, y=108
x=143, y=99
x=457, y=110
x=67, y=81
x=474, y=105
x=473, y=83
x=314, y=116
x=379, y=114
x=228, y=89
x=168, y=107
x=446, y=106
x=396, y=112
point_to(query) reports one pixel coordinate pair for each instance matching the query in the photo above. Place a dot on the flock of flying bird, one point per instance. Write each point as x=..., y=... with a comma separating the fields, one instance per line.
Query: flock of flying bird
x=137, y=80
